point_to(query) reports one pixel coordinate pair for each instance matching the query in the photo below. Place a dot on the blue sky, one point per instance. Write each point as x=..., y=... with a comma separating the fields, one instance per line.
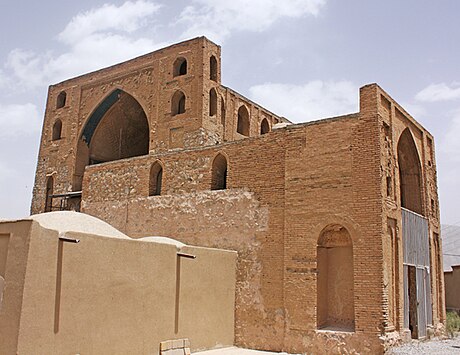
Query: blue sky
x=303, y=59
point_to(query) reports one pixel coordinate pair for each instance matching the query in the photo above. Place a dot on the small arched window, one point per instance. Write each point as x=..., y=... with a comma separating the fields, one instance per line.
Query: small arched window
x=243, y=121
x=57, y=129
x=61, y=99
x=222, y=111
x=219, y=173
x=180, y=67
x=264, y=126
x=156, y=179
x=178, y=103
x=213, y=68
x=49, y=193
x=212, y=102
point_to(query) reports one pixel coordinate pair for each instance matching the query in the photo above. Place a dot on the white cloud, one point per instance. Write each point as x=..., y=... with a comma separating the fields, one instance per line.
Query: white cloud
x=93, y=39
x=218, y=18
x=439, y=92
x=128, y=17
x=450, y=145
x=314, y=100
x=19, y=120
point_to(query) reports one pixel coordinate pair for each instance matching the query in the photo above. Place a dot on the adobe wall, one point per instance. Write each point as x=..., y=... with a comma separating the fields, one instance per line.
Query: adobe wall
x=452, y=280
x=107, y=295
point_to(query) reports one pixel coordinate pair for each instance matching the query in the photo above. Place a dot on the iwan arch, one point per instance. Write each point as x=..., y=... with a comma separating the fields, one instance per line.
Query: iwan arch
x=335, y=222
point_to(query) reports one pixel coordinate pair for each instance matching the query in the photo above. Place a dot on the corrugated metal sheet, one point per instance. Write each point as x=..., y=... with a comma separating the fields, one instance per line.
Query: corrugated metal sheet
x=406, y=296
x=421, y=302
x=429, y=309
x=415, y=238
x=416, y=251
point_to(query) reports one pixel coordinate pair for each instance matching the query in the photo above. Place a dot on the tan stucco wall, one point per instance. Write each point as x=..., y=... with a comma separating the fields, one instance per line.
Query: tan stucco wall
x=452, y=281
x=112, y=295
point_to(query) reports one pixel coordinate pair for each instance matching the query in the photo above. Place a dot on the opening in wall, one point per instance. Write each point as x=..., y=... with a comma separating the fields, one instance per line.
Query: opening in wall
x=212, y=102
x=61, y=99
x=243, y=121
x=178, y=103
x=213, y=68
x=180, y=67
x=264, y=126
x=57, y=130
x=156, y=179
x=219, y=173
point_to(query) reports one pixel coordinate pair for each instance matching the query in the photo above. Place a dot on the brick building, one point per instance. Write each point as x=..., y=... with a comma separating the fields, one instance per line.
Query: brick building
x=335, y=222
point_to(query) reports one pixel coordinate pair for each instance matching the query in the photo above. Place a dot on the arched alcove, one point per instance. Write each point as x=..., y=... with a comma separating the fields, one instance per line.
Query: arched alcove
x=243, y=121
x=178, y=103
x=156, y=179
x=117, y=129
x=180, y=67
x=212, y=102
x=264, y=126
x=61, y=99
x=48, y=193
x=219, y=173
x=222, y=111
x=410, y=176
x=335, y=283
x=57, y=130
x=213, y=68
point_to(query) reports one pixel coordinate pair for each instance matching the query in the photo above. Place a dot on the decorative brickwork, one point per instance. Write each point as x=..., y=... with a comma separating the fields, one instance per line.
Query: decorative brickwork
x=232, y=178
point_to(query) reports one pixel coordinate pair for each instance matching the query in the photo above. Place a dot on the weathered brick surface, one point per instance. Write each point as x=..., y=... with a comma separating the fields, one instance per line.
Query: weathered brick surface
x=283, y=189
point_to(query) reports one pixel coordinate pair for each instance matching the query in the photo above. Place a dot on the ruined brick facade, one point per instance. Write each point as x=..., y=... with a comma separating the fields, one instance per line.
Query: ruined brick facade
x=157, y=146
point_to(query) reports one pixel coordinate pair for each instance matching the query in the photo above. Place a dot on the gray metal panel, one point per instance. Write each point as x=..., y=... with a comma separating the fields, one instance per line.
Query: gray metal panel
x=406, y=296
x=421, y=302
x=416, y=247
x=429, y=308
x=416, y=252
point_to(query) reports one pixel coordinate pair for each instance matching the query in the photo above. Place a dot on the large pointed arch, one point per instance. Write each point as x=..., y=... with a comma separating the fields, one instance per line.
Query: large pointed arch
x=118, y=128
x=410, y=173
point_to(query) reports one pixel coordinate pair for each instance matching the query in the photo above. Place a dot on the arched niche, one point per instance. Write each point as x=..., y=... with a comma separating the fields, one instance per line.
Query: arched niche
x=178, y=103
x=264, y=126
x=155, y=179
x=410, y=173
x=61, y=99
x=243, y=121
x=57, y=130
x=117, y=129
x=212, y=102
x=180, y=67
x=219, y=173
x=213, y=68
x=48, y=193
x=335, y=282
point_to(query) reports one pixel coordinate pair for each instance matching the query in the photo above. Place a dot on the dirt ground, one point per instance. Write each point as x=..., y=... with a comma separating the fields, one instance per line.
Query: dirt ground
x=434, y=346
x=431, y=347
